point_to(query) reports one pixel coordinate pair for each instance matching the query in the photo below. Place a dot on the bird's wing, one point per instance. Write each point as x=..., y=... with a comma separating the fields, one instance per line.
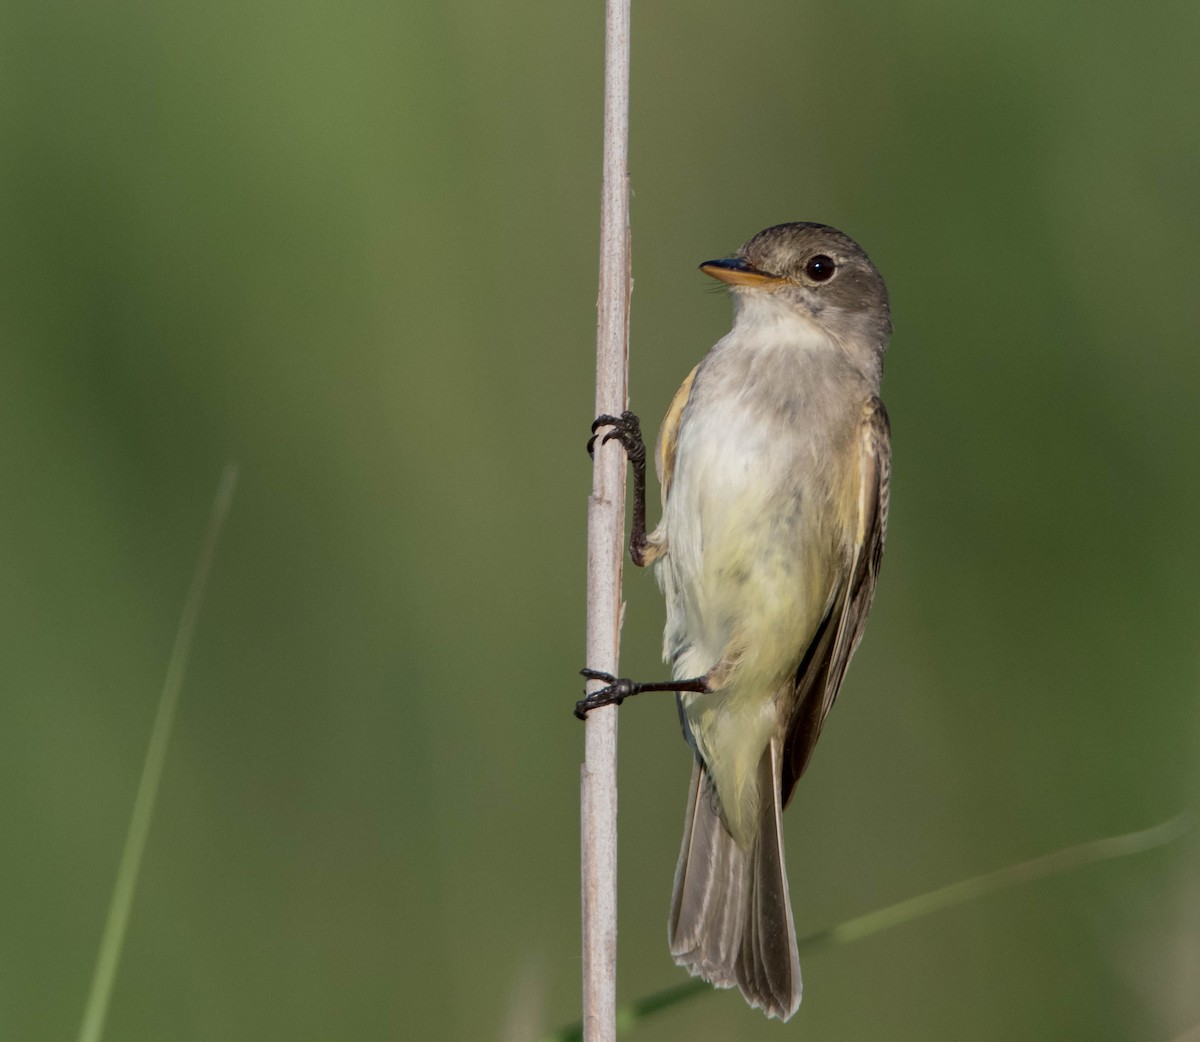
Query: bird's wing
x=668, y=434
x=824, y=664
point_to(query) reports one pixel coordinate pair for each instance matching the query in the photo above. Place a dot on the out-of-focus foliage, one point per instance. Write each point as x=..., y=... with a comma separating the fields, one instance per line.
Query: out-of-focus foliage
x=352, y=247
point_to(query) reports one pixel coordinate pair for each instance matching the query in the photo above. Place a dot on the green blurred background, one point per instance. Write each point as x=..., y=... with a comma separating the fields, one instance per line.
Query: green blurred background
x=353, y=247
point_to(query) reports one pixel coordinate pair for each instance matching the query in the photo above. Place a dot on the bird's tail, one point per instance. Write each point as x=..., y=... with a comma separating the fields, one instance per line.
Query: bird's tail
x=731, y=918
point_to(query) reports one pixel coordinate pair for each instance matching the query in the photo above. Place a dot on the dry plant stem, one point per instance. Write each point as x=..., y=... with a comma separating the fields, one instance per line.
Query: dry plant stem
x=606, y=524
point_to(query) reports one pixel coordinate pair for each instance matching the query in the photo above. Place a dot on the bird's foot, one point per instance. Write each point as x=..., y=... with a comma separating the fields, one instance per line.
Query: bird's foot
x=617, y=689
x=626, y=428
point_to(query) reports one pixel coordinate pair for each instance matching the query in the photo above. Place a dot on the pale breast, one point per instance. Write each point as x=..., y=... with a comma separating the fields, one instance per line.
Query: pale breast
x=758, y=521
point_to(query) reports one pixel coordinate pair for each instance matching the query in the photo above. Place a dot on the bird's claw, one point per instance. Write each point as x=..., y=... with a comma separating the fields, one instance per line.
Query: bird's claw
x=626, y=428
x=615, y=691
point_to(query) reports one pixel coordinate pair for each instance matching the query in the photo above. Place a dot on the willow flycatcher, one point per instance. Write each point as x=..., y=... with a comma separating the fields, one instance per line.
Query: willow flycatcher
x=774, y=459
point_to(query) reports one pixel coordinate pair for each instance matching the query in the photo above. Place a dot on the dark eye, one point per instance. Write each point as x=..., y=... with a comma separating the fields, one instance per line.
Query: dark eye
x=820, y=268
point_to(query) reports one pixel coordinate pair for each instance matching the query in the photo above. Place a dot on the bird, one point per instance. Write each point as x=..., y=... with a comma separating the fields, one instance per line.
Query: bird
x=774, y=460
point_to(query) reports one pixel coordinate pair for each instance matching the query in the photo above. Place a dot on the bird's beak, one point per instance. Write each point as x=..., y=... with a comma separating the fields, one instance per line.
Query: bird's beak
x=737, y=272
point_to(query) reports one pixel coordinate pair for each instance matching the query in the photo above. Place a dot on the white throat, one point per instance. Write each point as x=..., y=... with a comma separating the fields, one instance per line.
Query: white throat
x=764, y=321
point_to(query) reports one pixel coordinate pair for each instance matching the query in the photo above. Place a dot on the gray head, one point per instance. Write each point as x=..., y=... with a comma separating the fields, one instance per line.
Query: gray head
x=823, y=273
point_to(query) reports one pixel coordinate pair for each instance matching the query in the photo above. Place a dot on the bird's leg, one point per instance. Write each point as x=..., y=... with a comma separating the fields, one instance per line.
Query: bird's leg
x=627, y=429
x=620, y=688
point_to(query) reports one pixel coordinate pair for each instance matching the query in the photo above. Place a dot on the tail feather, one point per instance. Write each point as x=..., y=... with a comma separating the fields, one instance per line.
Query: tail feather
x=731, y=917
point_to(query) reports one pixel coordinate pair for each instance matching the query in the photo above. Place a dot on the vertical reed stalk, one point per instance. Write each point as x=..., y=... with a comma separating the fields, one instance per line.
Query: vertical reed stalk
x=606, y=526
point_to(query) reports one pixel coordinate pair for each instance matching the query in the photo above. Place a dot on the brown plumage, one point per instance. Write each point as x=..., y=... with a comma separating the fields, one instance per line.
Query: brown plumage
x=774, y=459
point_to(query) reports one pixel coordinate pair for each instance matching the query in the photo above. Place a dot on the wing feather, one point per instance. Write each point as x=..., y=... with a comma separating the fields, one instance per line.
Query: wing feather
x=824, y=665
x=668, y=434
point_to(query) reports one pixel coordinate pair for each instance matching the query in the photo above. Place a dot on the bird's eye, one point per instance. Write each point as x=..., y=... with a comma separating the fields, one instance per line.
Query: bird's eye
x=820, y=268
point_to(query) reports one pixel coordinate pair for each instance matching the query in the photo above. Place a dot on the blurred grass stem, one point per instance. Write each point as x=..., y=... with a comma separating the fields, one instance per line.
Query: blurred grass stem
x=959, y=893
x=119, y=907
x=606, y=529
